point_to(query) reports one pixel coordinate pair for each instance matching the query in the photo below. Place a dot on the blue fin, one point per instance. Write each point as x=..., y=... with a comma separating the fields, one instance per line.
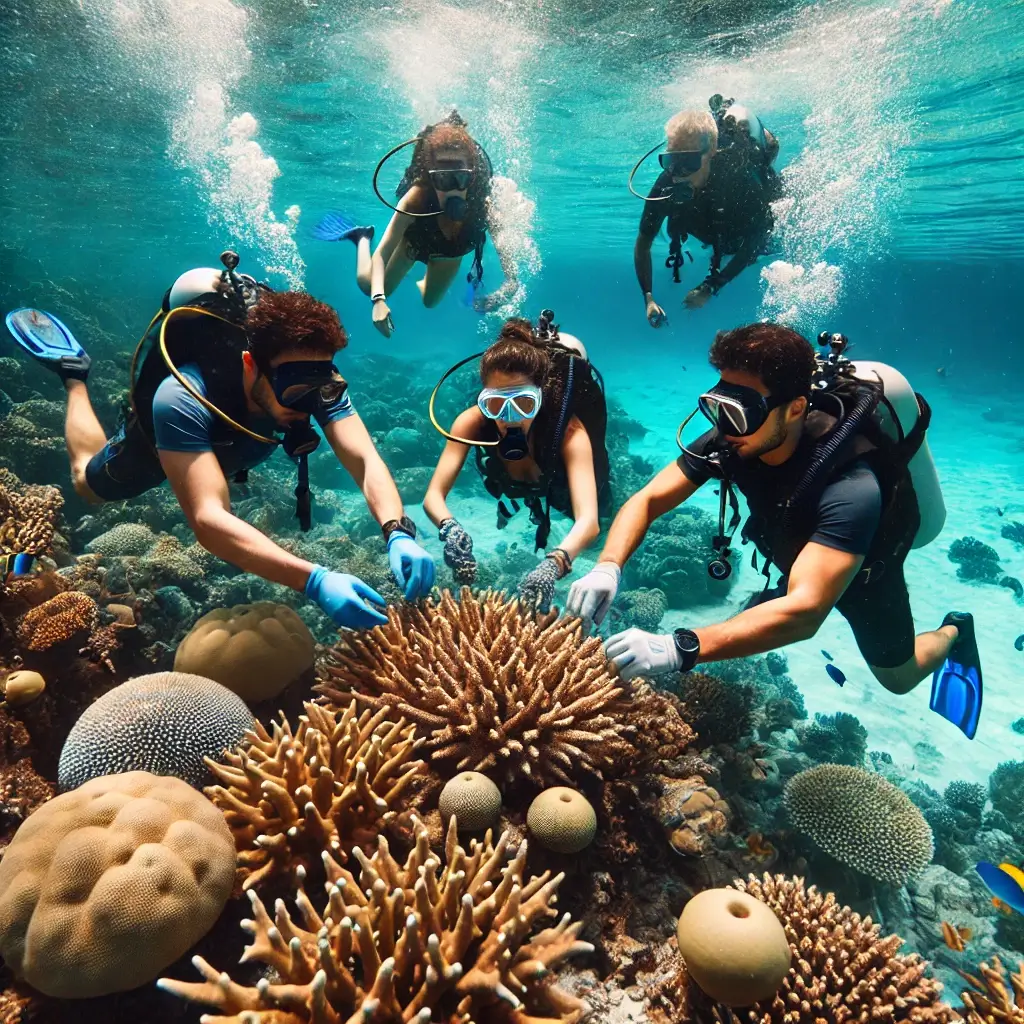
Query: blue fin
x=48, y=340
x=334, y=227
x=956, y=685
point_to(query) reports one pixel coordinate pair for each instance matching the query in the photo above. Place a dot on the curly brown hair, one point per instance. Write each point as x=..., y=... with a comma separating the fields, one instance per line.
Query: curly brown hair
x=778, y=356
x=517, y=350
x=284, y=322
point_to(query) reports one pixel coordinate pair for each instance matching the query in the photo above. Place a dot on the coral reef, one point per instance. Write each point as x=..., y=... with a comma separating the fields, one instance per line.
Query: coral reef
x=692, y=815
x=969, y=798
x=834, y=739
x=330, y=784
x=57, y=621
x=642, y=608
x=862, y=820
x=104, y=887
x=409, y=942
x=472, y=799
x=29, y=515
x=491, y=688
x=1013, y=531
x=718, y=712
x=1006, y=791
x=562, y=819
x=165, y=723
x=123, y=540
x=978, y=563
x=989, y=1000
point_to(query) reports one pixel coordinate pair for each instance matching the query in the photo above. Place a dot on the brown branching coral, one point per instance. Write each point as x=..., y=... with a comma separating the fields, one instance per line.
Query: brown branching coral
x=28, y=516
x=330, y=784
x=719, y=712
x=989, y=1000
x=413, y=942
x=103, y=642
x=57, y=621
x=491, y=688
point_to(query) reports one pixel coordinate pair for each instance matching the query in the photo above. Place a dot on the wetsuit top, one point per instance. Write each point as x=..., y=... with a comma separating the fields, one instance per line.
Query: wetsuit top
x=848, y=512
x=425, y=239
x=731, y=212
x=182, y=424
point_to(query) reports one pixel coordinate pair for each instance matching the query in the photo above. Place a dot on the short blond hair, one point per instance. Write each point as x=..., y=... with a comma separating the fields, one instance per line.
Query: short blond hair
x=694, y=129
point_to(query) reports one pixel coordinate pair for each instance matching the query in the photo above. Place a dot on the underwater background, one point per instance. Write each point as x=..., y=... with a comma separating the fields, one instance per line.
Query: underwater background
x=139, y=138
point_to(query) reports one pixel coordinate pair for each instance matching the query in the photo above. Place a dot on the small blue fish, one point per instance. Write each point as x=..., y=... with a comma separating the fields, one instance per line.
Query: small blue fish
x=1005, y=882
x=826, y=655
x=835, y=674
x=1019, y=642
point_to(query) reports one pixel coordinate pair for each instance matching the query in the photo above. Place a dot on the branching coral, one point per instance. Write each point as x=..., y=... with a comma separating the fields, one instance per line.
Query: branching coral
x=491, y=688
x=330, y=784
x=408, y=942
x=719, y=712
x=989, y=1001
x=28, y=516
x=56, y=621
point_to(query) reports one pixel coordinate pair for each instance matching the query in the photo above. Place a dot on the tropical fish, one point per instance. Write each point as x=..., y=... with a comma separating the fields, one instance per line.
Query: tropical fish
x=759, y=846
x=1019, y=642
x=1005, y=881
x=836, y=674
x=1003, y=908
x=826, y=655
x=956, y=937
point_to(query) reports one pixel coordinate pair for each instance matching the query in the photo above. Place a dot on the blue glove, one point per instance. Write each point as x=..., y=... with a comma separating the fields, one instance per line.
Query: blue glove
x=413, y=568
x=344, y=598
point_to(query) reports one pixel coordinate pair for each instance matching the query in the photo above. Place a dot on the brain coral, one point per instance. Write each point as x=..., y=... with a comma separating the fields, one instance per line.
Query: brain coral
x=861, y=819
x=104, y=887
x=414, y=942
x=164, y=723
x=491, y=688
x=56, y=621
x=123, y=539
x=255, y=650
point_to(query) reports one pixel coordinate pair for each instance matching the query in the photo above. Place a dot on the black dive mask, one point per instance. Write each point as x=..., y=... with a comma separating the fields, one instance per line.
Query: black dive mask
x=513, y=446
x=456, y=207
x=682, y=191
x=307, y=385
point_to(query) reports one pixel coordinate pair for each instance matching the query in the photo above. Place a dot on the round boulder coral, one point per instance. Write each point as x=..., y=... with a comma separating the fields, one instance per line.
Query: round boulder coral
x=733, y=946
x=862, y=820
x=123, y=539
x=22, y=687
x=255, y=650
x=562, y=820
x=104, y=887
x=164, y=723
x=472, y=799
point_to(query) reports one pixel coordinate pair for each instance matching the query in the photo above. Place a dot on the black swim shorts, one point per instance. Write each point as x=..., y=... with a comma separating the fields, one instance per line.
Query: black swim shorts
x=878, y=611
x=126, y=466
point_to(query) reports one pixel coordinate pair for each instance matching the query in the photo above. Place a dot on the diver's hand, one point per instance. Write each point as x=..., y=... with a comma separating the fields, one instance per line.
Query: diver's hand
x=346, y=599
x=655, y=314
x=537, y=587
x=697, y=297
x=494, y=300
x=637, y=653
x=458, y=552
x=382, y=318
x=411, y=566
x=591, y=596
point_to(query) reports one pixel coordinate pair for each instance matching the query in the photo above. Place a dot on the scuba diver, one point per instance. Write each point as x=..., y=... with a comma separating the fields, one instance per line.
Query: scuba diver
x=717, y=184
x=832, y=459
x=225, y=365
x=538, y=427
x=443, y=214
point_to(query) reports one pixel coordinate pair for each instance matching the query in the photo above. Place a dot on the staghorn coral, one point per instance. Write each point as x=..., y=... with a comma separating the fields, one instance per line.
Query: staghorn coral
x=28, y=516
x=862, y=820
x=490, y=688
x=408, y=942
x=988, y=1000
x=58, y=620
x=328, y=785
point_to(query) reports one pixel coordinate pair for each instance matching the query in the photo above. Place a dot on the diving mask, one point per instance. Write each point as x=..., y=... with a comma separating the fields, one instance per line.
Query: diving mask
x=682, y=163
x=307, y=385
x=510, y=404
x=451, y=180
x=736, y=410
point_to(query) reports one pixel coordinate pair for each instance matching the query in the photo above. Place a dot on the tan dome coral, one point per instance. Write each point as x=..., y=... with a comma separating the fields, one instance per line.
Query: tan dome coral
x=414, y=942
x=861, y=819
x=255, y=650
x=492, y=689
x=562, y=819
x=473, y=799
x=58, y=620
x=103, y=887
x=328, y=785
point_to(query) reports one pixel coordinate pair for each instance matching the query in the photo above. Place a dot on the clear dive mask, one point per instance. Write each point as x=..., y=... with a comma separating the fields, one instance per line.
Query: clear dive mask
x=510, y=405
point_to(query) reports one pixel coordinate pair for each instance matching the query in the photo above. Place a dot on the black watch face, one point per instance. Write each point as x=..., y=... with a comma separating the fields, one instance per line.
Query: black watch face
x=687, y=641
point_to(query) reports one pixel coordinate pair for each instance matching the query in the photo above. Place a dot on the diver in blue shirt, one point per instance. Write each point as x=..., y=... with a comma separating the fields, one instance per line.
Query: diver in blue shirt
x=224, y=367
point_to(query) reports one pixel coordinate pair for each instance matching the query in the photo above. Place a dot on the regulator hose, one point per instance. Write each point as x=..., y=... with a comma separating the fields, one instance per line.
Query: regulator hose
x=824, y=458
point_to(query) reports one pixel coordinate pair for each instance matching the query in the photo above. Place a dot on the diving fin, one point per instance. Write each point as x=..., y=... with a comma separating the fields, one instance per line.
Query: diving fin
x=956, y=684
x=49, y=341
x=333, y=227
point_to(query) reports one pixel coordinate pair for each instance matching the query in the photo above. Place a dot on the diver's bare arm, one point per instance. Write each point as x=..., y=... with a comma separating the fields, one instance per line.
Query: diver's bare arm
x=355, y=449
x=671, y=487
x=467, y=424
x=578, y=456
x=392, y=238
x=817, y=580
x=202, y=491
x=642, y=264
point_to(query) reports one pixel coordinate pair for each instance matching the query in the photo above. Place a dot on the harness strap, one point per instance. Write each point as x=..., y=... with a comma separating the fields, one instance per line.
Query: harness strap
x=675, y=257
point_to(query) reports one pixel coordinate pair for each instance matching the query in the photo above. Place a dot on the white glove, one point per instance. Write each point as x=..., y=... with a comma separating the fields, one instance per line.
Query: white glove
x=591, y=596
x=636, y=653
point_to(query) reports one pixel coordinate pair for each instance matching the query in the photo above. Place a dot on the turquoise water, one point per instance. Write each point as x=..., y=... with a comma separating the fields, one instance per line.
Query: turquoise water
x=140, y=137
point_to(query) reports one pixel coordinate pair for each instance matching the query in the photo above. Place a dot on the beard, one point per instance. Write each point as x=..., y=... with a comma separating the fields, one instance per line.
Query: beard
x=770, y=443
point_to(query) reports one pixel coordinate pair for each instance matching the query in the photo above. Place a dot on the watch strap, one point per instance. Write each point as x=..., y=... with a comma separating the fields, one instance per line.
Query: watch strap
x=688, y=645
x=404, y=525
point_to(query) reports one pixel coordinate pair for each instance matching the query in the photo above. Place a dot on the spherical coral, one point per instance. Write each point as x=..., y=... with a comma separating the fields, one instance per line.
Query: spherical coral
x=164, y=723
x=733, y=946
x=255, y=650
x=562, y=819
x=473, y=799
x=58, y=620
x=104, y=887
x=123, y=539
x=22, y=687
x=490, y=688
x=861, y=819
x=408, y=942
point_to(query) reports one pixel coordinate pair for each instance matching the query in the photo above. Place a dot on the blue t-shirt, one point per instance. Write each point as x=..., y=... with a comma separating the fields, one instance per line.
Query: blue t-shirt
x=183, y=424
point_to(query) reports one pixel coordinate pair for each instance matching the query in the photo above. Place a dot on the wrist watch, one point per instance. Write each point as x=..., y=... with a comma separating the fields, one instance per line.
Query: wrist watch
x=688, y=645
x=403, y=525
